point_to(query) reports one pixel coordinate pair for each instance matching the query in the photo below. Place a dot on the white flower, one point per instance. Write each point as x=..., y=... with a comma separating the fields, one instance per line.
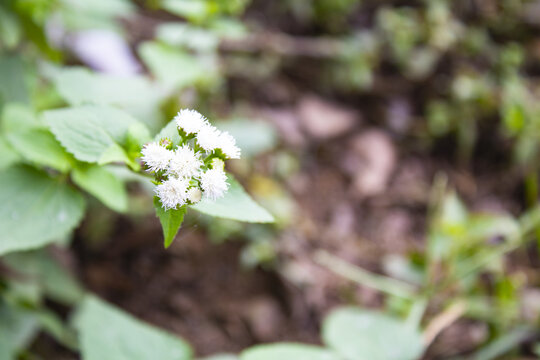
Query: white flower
x=227, y=144
x=156, y=157
x=214, y=183
x=208, y=138
x=185, y=162
x=172, y=192
x=194, y=195
x=190, y=121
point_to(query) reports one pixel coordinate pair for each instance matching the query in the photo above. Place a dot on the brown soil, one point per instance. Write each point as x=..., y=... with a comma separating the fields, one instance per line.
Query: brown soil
x=197, y=290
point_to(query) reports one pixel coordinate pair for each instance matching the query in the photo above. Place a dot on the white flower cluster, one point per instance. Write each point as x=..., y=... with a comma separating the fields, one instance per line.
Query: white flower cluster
x=187, y=171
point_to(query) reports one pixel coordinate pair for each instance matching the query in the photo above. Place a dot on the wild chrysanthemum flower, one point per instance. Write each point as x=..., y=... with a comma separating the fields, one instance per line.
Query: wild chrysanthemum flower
x=172, y=192
x=208, y=138
x=214, y=183
x=195, y=169
x=185, y=162
x=227, y=144
x=156, y=157
x=190, y=121
x=194, y=195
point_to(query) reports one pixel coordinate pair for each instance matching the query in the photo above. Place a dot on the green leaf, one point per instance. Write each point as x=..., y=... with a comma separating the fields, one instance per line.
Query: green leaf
x=53, y=325
x=503, y=344
x=9, y=156
x=174, y=67
x=18, y=117
x=236, y=205
x=93, y=134
x=170, y=220
x=116, y=153
x=34, y=30
x=450, y=223
x=36, y=209
x=14, y=84
x=79, y=86
x=137, y=135
x=514, y=118
x=107, y=333
x=134, y=94
x=220, y=357
x=104, y=8
x=39, y=146
x=187, y=36
x=253, y=137
x=104, y=185
x=485, y=226
x=17, y=328
x=10, y=31
x=195, y=10
x=358, y=334
x=536, y=349
x=169, y=131
x=453, y=211
x=31, y=139
x=39, y=266
x=287, y=351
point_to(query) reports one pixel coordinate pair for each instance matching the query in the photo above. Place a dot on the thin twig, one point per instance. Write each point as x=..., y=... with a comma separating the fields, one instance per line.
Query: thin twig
x=284, y=45
x=442, y=321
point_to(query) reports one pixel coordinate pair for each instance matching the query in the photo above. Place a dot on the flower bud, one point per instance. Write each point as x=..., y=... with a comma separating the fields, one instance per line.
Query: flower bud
x=194, y=195
x=218, y=164
x=166, y=143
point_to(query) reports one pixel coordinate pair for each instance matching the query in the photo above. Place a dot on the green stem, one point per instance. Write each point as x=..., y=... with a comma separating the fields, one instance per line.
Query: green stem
x=531, y=197
x=531, y=188
x=417, y=312
x=366, y=278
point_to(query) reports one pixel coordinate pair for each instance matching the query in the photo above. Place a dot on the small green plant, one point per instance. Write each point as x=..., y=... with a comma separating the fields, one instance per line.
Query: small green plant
x=463, y=247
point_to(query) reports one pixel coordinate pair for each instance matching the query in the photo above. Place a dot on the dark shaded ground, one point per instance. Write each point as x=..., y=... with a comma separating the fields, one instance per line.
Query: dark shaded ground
x=198, y=290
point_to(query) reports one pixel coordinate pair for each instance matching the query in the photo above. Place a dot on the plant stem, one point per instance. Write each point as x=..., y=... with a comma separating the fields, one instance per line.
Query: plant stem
x=417, y=312
x=366, y=278
x=442, y=321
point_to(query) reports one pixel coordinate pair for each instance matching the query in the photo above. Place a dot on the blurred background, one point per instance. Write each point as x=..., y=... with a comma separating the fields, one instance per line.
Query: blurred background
x=390, y=139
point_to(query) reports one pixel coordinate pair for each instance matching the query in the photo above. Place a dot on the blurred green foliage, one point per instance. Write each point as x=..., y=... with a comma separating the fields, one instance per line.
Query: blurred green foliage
x=474, y=62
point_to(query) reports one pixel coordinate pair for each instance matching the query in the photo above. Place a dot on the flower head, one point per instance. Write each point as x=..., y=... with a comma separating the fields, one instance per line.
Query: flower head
x=190, y=121
x=227, y=144
x=208, y=138
x=214, y=183
x=156, y=157
x=193, y=167
x=185, y=162
x=172, y=192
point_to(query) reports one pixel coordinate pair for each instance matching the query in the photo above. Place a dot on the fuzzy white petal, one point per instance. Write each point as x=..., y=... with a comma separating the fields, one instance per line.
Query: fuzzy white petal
x=156, y=157
x=214, y=183
x=172, y=192
x=208, y=138
x=190, y=121
x=227, y=144
x=185, y=162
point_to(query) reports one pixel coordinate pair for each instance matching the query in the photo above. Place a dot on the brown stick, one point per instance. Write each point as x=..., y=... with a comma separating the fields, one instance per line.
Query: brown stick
x=442, y=321
x=283, y=44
